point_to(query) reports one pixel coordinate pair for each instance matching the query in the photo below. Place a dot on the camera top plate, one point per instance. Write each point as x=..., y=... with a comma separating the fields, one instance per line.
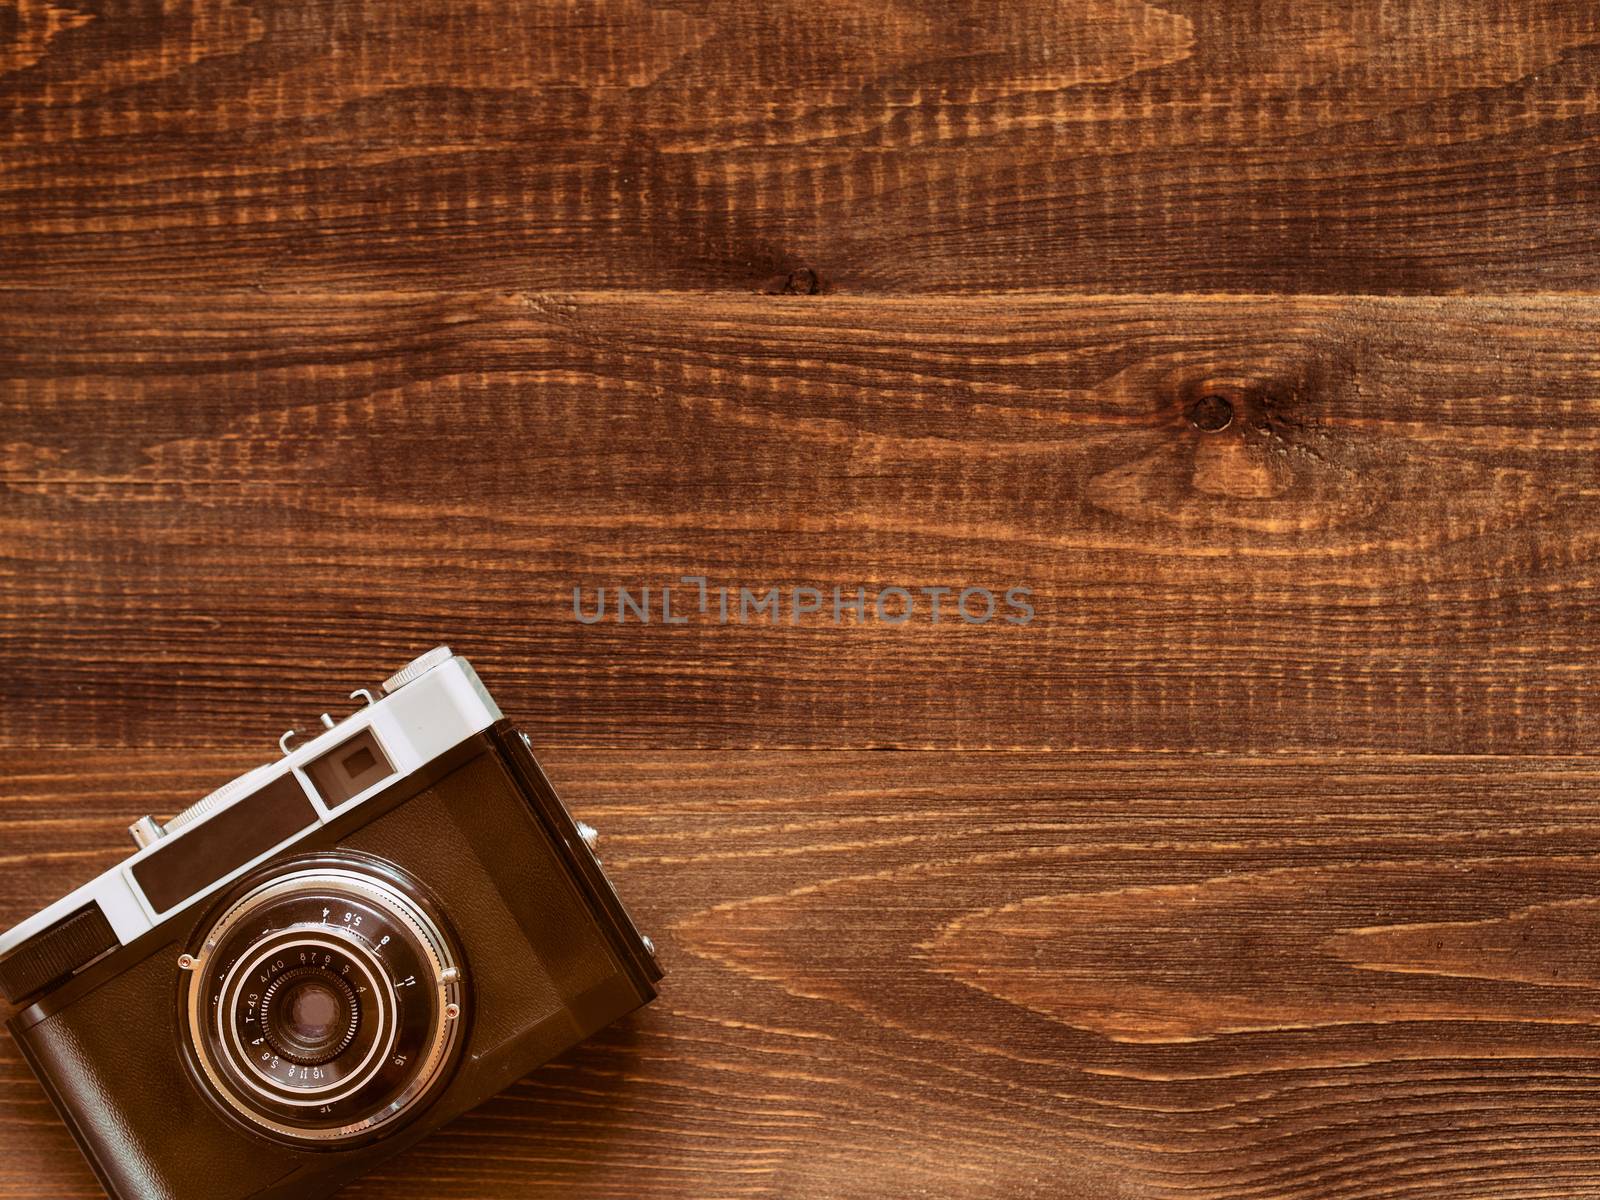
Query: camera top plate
x=428, y=707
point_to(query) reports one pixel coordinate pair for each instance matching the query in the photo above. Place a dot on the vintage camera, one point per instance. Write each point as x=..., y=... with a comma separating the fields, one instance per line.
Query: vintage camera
x=328, y=957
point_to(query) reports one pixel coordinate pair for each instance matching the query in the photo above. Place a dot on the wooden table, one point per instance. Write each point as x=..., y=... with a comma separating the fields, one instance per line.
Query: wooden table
x=1258, y=340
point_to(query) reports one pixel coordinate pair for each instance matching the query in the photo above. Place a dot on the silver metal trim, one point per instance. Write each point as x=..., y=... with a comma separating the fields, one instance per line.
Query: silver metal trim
x=145, y=831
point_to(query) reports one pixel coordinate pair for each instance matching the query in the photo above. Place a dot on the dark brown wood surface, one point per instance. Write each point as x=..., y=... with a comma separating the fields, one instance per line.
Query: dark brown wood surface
x=1125, y=145
x=1260, y=341
x=1391, y=546
x=1008, y=974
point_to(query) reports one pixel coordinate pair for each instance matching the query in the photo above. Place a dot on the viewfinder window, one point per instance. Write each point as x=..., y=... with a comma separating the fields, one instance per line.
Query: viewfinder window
x=349, y=769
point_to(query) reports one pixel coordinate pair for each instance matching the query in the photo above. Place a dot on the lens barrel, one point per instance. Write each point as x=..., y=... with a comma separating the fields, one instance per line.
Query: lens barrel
x=310, y=1015
x=326, y=1003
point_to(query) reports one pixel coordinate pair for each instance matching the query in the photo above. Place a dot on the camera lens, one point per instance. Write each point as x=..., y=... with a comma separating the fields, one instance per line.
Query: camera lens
x=309, y=1015
x=327, y=1003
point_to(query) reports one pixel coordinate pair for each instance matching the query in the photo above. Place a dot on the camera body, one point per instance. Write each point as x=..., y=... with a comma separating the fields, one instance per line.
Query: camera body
x=326, y=959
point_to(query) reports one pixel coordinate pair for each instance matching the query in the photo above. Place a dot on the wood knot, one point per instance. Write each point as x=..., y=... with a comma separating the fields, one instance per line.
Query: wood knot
x=800, y=282
x=1211, y=413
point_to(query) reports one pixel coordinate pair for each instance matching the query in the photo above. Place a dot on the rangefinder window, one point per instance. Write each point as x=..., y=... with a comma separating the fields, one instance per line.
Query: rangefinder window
x=224, y=843
x=349, y=769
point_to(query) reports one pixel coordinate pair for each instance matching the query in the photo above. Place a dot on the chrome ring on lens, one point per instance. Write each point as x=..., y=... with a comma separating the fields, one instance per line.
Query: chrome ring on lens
x=379, y=955
x=307, y=1089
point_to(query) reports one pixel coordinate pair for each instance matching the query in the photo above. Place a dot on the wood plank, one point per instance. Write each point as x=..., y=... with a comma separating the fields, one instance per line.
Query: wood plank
x=1110, y=145
x=1012, y=975
x=219, y=515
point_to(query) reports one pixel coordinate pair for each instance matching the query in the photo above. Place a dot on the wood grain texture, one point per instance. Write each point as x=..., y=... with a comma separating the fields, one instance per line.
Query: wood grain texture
x=1260, y=339
x=1392, y=546
x=1096, y=145
x=1174, y=978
